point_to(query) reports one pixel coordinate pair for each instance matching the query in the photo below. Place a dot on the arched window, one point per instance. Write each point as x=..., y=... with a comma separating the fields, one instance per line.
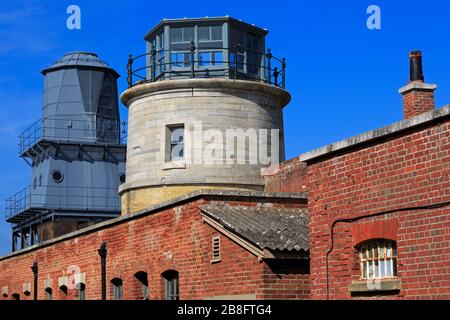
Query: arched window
x=117, y=289
x=171, y=286
x=378, y=259
x=49, y=293
x=81, y=291
x=141, y=277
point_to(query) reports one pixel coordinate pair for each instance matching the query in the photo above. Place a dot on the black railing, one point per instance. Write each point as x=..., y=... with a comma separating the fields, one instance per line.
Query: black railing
x=56, y=197
x=65, y=129
x=233, y=63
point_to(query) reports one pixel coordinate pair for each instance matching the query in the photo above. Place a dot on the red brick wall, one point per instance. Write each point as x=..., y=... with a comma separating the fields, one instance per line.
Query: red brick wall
x=286, y=280
x=409, y=170
x=416, y=102
x=291, y=177
x=175, y=238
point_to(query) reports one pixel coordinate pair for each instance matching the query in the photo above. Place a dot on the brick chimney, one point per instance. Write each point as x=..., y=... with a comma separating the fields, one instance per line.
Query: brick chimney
x=418, y=96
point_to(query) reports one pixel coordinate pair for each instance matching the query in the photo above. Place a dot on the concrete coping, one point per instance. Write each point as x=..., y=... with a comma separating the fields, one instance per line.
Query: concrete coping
x=377, y=133
x=208, y=83
x=417, y=85
x=160, y=206
x=375, y=285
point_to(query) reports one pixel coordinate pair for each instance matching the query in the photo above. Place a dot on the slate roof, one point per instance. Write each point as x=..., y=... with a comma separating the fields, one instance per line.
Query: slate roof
x=267, y=227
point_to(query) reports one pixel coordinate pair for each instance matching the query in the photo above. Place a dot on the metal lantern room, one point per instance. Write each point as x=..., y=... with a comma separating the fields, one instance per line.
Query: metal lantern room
x=206, y=48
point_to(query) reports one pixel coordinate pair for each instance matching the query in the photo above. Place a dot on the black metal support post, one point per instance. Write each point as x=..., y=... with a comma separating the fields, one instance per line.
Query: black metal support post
x=192, y=59
x=31, y=235
x=130, y=71
x=236, y=50
x=283, y=73
x=35, y=270
x=14, y=240
x=22, y=240
x=102, y=252
x=269, y=64
x=275, y=76
x=153, y=64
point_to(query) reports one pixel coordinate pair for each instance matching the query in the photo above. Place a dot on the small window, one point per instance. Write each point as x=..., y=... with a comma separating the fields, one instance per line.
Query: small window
x=181, y=59
x=82, y=291
x=117, y=289
x=16, y=296
x=57, y=176
x=216, y=249
x=63, y=288
x=210, y=33
x=122, y=178
x=49, y=293
x=141, y=277
x=210, y=58
x=177, y=35
x=34, y=183
x=182, y=34
x=160, y=38
x=40, y=180
x=204, y=58
x=176, y=142
x=216, y=33
x=204, y=34
x=188, y=34
x=378, y=259
x=171, y=285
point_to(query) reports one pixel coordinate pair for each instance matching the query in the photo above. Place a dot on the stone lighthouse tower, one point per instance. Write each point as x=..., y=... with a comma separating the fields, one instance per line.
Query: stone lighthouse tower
x=205, y=110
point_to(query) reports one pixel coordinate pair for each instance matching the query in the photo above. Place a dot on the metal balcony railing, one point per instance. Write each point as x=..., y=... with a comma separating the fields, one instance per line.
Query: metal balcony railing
x=72, y=130
x=65, y=198
x=233, y=63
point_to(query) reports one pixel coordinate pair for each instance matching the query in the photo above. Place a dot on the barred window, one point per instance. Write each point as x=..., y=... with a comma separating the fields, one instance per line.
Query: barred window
x=378, y=259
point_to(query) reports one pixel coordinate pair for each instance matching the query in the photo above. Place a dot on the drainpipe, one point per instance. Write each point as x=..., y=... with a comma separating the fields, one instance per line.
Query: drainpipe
x=350, y=220
x=102, y=252
x=35, y=269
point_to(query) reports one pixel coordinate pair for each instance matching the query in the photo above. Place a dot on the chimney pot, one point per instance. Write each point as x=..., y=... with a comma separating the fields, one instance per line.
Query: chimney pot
x=418, y=96
x=415, y=66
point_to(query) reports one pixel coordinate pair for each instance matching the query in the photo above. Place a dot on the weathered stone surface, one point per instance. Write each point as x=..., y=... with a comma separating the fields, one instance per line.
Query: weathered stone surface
x=381, y=285
x=219, y=104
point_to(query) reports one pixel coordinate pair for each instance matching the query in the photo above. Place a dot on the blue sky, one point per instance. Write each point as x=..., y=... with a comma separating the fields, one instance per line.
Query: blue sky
x=344, y=78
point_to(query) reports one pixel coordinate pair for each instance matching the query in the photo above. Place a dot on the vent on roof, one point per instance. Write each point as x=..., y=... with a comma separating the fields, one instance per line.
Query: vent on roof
x=215, y=249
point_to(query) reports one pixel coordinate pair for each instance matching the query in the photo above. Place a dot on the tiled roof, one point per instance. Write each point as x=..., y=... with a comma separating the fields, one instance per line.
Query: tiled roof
x=267, y=227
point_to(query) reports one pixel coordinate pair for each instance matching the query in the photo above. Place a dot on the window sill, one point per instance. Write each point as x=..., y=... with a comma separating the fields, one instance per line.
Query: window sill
x=380, y=285
x=174, y=165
